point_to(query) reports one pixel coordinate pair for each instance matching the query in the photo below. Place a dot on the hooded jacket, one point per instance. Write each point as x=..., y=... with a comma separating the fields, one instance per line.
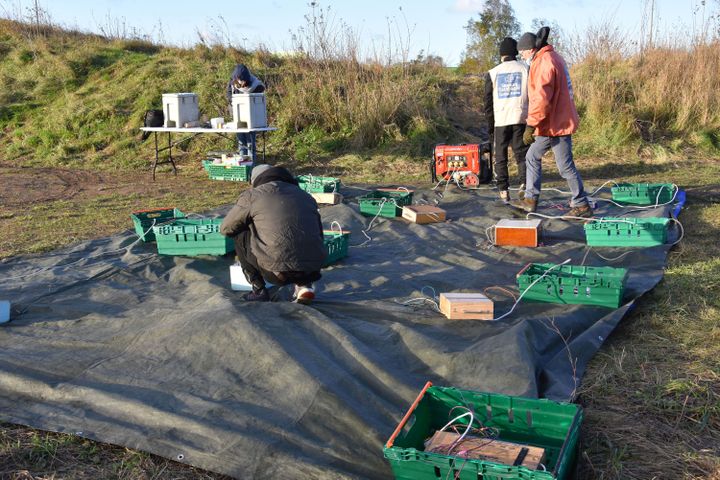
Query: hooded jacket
x=243, y=73
x=551, y=106
x=285, y=225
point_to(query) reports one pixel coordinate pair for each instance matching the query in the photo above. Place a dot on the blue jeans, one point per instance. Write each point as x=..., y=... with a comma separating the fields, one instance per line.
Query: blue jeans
x=562, y=148
x=246, y=144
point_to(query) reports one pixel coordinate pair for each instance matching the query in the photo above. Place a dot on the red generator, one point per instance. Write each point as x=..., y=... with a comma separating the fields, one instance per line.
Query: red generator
x=467, y=164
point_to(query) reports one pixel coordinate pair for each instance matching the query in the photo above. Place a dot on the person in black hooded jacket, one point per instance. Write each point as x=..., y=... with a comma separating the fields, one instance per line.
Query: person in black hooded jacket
x=278, y=234
x=242, y=81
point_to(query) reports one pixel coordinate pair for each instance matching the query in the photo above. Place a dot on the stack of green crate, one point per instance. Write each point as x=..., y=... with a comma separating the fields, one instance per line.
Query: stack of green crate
x=143, y=220
x=385, y=203
x=313, y=184
x=336, y=243
x=570, y=284
x=231, y=173
x=627, y=232
x=554, y=426
x=191, y=237
x=643, y=193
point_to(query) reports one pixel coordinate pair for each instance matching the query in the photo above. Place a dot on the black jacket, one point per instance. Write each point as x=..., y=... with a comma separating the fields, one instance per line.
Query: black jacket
x=287, y=233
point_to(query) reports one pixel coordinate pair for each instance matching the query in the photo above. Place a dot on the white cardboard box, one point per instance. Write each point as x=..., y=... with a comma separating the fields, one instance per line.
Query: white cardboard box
x=180, y=108
x=249, y=110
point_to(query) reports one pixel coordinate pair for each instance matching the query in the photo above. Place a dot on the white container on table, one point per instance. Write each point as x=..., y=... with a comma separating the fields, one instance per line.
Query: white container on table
x=249, y=110
x=180, y=108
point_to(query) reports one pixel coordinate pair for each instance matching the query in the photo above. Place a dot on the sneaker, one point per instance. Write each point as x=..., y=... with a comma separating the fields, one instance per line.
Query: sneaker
x=261, y=295
x=580, y=211
x=527, y=204
x=304, y=294
x=505, y=196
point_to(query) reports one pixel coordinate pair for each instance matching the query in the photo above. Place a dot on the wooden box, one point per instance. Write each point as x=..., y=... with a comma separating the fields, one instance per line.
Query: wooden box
x=466, y=306
x=488, y=449
x=423, y=214
x=331, y=198
x=518, y=233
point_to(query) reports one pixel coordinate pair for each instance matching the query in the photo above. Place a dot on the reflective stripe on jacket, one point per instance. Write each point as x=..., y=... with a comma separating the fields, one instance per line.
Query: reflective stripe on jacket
x=552, y=108
x=510, y=93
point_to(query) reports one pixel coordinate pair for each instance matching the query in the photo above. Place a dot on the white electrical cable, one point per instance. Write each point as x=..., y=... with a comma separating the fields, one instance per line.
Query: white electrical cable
x=530, y=286
x=467, y=430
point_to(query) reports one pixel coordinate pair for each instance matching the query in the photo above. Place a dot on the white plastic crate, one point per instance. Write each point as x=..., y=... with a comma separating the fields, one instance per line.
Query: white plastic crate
x=249, y=110
x=180, y=108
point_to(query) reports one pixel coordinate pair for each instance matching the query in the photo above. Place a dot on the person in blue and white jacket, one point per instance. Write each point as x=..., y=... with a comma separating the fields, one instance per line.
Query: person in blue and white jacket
x=506, y=111
x=242, y=81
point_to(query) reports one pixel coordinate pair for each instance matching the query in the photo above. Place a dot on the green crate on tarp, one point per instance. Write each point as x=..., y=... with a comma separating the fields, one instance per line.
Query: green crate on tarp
x=313, y=184
x=336, y=243
x=192, y=237
x=627, y=232
x=571, y=284
x=554, y=426
x=643, y=193
x=388, y=203
x=143, y=220
x=231, y=173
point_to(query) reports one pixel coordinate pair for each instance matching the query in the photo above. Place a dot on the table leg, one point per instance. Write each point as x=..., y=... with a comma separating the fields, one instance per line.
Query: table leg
x=157, y=155
x=170, y=145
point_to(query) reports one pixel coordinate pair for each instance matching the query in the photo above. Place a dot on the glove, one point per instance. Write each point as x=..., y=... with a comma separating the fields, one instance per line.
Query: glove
x=528, y=137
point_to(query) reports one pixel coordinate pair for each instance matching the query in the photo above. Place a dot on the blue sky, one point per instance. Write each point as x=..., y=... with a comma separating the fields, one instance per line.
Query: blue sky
x=437, y=25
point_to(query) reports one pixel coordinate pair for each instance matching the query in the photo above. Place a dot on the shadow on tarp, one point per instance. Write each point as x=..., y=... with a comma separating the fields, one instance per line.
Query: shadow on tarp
x=158, y=354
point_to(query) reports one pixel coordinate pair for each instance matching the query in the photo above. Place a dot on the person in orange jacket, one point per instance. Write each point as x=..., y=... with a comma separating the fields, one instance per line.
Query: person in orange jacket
x=552, y=119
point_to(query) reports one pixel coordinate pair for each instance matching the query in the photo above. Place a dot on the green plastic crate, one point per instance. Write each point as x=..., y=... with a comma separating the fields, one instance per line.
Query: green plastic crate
x=643, y=193
x=227, y=172
x=192, y=237
x=571, y=284
x=554, y=426
x=627, y=232
x=336, y=244
x=388, y=203
x=143, y=220
x=313, y=184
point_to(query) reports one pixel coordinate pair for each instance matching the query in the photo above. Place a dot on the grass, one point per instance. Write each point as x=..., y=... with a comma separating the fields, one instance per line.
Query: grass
x=651, y=395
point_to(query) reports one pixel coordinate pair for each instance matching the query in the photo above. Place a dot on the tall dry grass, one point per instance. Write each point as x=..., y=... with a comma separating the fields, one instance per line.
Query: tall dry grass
x=665, y=96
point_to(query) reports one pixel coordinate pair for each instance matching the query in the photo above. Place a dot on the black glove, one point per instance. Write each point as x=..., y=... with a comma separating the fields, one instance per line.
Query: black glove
x=528, y=137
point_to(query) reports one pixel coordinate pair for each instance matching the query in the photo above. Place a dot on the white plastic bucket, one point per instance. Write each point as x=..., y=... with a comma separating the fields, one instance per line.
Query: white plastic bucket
x=217, y=122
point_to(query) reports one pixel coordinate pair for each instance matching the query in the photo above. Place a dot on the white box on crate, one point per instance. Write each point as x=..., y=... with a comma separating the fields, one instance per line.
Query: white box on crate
x=180, y=108
x=249, y=110
x=238, y=282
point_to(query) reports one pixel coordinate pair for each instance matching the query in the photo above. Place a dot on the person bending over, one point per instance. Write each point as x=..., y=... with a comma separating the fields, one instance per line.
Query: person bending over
x=242, y=81
x=278, y=234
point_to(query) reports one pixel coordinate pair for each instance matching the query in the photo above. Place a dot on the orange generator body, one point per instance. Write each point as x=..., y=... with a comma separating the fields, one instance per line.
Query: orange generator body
x=467, y=164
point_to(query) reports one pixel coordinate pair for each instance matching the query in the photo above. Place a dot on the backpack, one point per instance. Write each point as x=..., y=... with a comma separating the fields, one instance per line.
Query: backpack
x=153, y=118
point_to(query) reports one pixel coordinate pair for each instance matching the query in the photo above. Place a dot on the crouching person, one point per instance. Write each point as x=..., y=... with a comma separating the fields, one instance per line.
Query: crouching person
x=278, y=234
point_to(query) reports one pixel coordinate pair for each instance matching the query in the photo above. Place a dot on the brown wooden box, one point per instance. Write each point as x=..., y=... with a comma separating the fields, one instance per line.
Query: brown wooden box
x=518, y=233
x=331, y=198
x=479, y=448
x=423, y=214
x=466, y=306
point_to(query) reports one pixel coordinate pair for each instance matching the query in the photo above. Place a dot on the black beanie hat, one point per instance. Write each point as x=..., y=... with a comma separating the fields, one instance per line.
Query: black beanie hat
x=527, y=41
x=508, y=47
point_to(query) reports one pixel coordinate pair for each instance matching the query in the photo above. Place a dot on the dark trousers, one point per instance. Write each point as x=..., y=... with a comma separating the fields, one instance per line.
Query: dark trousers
x=258, y=276
x=506, y=136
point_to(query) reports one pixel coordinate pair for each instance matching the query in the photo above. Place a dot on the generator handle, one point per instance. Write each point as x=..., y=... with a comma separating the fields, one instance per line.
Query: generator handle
x=407, y=415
